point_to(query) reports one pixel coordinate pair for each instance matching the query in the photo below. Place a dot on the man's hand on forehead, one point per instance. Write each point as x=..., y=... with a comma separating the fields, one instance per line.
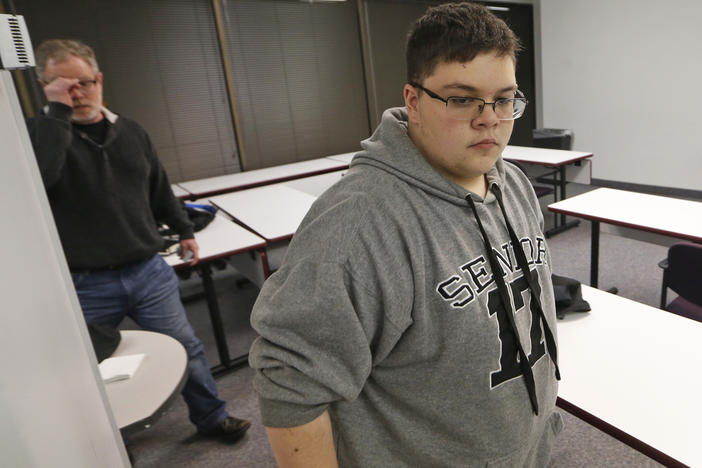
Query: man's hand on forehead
x=59, y=90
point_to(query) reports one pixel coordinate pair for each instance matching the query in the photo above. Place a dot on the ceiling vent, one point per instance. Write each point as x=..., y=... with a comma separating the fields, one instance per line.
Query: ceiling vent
x=15, y=46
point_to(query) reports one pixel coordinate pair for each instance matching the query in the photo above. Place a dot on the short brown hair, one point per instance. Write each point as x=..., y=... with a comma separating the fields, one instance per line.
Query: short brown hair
x=455, y=32
x=62, y=49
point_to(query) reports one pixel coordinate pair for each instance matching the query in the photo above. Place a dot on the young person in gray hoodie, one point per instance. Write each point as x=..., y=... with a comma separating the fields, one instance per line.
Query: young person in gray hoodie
x=412, y=323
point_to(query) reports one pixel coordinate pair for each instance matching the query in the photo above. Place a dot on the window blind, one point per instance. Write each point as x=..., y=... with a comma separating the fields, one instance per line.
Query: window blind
x=298, y=75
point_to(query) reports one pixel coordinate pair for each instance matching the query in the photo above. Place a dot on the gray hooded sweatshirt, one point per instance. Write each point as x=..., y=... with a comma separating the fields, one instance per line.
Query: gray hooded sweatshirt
x=387, y=314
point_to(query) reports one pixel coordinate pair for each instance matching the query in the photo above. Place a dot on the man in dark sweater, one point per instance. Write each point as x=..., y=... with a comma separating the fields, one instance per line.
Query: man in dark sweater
x=107, y=188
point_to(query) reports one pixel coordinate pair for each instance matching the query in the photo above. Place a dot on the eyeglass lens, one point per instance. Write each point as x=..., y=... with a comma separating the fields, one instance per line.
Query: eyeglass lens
x=468, y=109
x=86, y=84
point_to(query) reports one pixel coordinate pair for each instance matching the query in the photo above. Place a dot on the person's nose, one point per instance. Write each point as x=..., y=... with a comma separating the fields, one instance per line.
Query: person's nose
x=487, y=118
x=76, y=92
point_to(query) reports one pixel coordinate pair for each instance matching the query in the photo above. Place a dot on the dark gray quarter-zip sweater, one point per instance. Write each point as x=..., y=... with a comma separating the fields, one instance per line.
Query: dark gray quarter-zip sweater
x=386, y=313
x=105, y=198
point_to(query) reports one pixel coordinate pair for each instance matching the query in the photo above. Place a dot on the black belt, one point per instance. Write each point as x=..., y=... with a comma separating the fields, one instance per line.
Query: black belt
x=86, y=271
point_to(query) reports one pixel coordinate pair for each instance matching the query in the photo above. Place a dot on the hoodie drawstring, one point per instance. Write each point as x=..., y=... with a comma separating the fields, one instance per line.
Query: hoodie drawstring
x=524, y=266
x=498, y=275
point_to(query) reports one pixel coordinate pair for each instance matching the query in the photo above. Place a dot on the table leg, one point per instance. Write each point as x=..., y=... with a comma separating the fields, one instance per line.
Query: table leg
x=563, y=225
x=215, y=315
x=264, y=264
x=555, y=199
x=594, y=252
x=562, y=174
x=243, y=360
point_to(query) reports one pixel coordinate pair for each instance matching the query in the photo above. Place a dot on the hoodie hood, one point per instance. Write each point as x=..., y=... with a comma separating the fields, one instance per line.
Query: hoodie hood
x=390, y=149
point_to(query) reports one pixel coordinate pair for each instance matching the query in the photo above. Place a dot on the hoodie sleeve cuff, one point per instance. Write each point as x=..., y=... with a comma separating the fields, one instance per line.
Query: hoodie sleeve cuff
x=60, y=111
x=276, y=413
x=187, y=233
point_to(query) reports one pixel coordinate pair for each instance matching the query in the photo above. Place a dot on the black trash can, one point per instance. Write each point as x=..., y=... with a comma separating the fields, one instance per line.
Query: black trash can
x=555, y=138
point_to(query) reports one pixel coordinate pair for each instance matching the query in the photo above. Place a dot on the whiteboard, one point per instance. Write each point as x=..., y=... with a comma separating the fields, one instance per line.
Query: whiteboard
x=53, y=408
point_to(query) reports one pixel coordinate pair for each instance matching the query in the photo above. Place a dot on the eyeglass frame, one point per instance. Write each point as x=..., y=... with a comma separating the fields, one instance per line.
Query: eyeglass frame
x=520, y=97
x=83, y=85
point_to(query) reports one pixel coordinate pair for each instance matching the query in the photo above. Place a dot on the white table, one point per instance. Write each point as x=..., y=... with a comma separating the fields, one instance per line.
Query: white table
x=274, y=212
x=344, y=157
x=139, y=401
x=634, y=371
x=544, y=156
x=232, y=182
x=220, y=239
x=560, y=161
x=650, y=214
x=316, y=185
x=180, y=192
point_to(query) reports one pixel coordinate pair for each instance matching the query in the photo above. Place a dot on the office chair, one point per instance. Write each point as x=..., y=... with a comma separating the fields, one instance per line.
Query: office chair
x=682, y=273
x=539, y=189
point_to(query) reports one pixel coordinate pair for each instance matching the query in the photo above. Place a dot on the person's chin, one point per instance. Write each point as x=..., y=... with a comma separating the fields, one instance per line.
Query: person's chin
x=83, y=117
x=492, y=151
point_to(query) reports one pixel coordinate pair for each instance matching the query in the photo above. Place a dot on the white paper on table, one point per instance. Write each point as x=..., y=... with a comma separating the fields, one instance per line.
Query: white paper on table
x=120, y=368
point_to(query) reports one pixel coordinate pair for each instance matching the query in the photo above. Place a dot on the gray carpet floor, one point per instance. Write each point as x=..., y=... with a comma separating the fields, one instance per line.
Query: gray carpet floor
x=629, y=265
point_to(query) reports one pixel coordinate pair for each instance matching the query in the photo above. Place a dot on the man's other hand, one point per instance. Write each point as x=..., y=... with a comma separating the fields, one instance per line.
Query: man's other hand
x=189, y=245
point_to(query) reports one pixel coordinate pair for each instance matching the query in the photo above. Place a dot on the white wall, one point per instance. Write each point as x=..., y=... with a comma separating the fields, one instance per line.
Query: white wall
x=625, y=76
x=53, y=408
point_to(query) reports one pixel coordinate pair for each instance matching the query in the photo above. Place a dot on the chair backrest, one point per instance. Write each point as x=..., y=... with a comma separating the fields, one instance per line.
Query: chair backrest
x=684, y=274
x=540, y=190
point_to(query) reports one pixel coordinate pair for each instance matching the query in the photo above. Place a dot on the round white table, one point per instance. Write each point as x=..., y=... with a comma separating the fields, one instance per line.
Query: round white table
x=138, y=402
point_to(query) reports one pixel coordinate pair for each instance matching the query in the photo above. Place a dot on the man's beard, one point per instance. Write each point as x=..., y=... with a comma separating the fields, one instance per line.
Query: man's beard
x=82, y=118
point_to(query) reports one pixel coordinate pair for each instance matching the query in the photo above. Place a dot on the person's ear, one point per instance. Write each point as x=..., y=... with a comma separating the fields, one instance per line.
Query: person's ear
x=98, y=77
x=412, y=103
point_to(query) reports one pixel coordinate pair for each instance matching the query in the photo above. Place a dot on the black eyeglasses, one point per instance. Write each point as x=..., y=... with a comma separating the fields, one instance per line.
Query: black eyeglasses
x=82, y=85
x=469, y=108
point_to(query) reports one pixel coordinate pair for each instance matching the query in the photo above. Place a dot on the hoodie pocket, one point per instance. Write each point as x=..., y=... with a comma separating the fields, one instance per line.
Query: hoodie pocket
x=538, y=453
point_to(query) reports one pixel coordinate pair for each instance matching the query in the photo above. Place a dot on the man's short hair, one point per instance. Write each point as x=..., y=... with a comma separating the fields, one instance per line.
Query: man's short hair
x=456, y=32
x=62, y=49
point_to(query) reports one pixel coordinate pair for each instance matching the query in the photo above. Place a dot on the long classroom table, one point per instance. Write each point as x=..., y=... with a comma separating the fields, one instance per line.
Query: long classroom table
x=211, y=186
x=633, y=371
x=660, y=219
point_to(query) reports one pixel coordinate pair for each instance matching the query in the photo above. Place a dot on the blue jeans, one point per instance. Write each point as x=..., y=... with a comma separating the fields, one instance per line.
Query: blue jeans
x=147, y=291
